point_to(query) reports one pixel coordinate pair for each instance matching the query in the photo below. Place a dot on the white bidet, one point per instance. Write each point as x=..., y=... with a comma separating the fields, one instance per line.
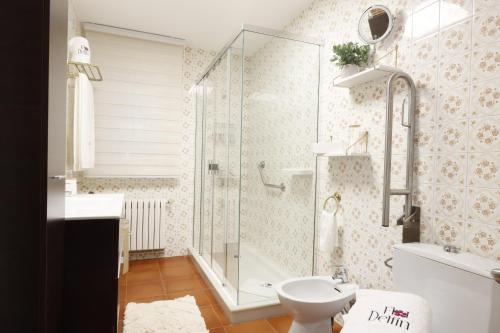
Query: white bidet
x=312, y=301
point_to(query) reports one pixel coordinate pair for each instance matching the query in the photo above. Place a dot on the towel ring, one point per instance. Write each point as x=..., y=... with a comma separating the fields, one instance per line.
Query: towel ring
x=337, y=197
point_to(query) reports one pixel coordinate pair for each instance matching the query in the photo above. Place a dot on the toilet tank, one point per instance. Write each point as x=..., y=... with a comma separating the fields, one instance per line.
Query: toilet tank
x=460, y=289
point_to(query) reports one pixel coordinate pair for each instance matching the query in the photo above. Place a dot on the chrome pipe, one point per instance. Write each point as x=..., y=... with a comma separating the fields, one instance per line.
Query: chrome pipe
x=387, y=191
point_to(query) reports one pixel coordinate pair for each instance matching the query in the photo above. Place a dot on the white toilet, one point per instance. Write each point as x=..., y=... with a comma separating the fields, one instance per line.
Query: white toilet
x=312, y=301
x=461, y=288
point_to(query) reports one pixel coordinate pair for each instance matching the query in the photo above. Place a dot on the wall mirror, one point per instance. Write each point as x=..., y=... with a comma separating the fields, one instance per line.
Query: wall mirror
x=375, y=24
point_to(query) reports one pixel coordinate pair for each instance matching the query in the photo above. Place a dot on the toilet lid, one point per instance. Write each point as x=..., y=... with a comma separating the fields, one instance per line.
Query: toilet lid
x=465, y=261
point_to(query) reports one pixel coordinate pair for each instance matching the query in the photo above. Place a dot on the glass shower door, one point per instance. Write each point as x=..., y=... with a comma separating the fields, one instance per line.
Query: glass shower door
x=215, y=168
x=207, y=182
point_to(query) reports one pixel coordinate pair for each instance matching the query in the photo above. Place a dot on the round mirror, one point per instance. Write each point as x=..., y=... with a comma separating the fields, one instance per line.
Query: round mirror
x=375, y=24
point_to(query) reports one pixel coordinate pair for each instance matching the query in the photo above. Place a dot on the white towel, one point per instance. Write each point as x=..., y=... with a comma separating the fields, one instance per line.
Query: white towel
x=83, y=124
x=328, y=232
x=378, y=311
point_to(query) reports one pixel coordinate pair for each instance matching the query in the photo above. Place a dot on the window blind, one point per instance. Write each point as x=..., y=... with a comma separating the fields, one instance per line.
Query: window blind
x=138, y=107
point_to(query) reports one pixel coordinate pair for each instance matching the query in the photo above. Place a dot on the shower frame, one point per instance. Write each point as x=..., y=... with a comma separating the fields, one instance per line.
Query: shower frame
x=226, y=51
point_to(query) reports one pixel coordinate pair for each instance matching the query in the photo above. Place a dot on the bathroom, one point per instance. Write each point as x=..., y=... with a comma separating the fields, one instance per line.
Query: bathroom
x=231, y=160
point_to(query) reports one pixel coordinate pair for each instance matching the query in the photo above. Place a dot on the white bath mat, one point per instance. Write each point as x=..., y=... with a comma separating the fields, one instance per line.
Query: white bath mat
x=180, y=315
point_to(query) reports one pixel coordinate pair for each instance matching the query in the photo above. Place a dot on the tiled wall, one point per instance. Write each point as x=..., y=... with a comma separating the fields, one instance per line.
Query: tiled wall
x=452, y=50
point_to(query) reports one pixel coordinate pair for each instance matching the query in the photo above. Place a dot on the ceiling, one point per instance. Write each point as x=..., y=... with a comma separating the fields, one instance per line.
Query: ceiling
x=207, y=24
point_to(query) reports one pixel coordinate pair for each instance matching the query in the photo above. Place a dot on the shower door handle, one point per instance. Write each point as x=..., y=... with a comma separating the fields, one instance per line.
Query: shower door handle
x=213, y=168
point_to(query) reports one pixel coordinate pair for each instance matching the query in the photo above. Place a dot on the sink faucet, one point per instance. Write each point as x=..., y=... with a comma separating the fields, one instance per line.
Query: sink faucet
x=341, y=273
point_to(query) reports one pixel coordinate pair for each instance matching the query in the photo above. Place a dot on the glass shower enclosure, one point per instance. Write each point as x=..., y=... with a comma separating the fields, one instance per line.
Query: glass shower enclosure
x=255, y=177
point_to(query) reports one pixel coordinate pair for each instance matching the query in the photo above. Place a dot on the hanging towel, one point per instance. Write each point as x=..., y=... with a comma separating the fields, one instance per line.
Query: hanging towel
x=83, y=124
x=328, y=232
x=379, y=311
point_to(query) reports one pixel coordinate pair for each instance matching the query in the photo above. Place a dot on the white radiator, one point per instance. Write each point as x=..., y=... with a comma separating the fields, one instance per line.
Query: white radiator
x=147, y=223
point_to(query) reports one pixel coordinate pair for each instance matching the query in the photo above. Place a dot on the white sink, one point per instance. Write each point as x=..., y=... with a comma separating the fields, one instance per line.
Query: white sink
x=94, y=206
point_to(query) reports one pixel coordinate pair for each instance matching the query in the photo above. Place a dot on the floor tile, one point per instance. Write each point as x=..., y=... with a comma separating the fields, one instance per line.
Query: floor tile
x=211, y=319
x=218, y=330
x=176, y=272
x=211, y=298
x=142, y=277
x=143, y=265
x=281, y=324
x=141, y=291
x=220, y=313
x=175, y=261
x=260, y=326
x=177, y=285
x=153, y=280
x=199, y=295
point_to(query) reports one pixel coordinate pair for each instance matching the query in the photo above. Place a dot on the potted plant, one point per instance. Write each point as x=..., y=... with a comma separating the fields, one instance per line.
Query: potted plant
x=350, y=57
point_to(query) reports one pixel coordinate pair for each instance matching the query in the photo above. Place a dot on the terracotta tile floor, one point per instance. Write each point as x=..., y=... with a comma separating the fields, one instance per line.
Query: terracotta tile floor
x=168, y=278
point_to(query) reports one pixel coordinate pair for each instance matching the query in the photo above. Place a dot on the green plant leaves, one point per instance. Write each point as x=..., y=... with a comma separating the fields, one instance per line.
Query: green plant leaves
x=350, y=54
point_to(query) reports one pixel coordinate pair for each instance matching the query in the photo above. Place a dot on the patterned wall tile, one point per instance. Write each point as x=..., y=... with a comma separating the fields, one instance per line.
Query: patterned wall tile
x=486, y=63
x=483, y=205
x=454, y=71
x=451, y=169
x=449, y=232
x=452, y=136
x=486, y=29
x=483, y=240
x=450, y=202
x=485, y=98
x=453, y=104
x=455, y=40
x=484, y=134
x=484, y=170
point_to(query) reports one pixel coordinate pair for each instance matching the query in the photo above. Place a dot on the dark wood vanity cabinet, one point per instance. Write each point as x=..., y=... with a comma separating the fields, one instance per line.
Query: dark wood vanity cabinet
x=91, y=268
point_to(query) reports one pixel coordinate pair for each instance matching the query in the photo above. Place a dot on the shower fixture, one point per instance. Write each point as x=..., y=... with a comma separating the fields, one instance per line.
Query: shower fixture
x=261, y=166
x=411, y=217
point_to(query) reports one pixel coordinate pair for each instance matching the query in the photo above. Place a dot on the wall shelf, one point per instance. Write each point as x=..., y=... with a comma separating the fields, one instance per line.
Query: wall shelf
x=343, y=154
x=370, y=74
x=92, y=71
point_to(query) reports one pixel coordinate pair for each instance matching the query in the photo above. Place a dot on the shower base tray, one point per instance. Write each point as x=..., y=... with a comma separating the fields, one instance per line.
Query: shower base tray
x=236, y=313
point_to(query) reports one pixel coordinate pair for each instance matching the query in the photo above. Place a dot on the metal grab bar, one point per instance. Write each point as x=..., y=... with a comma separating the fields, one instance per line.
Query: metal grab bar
x=411, y=213
x=261, y=166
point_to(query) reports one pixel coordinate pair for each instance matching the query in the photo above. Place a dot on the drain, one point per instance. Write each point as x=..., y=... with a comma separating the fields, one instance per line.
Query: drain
x=267, y=285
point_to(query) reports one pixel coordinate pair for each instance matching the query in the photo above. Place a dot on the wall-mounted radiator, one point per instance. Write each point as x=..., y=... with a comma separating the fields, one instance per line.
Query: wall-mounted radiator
x=147, y=223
